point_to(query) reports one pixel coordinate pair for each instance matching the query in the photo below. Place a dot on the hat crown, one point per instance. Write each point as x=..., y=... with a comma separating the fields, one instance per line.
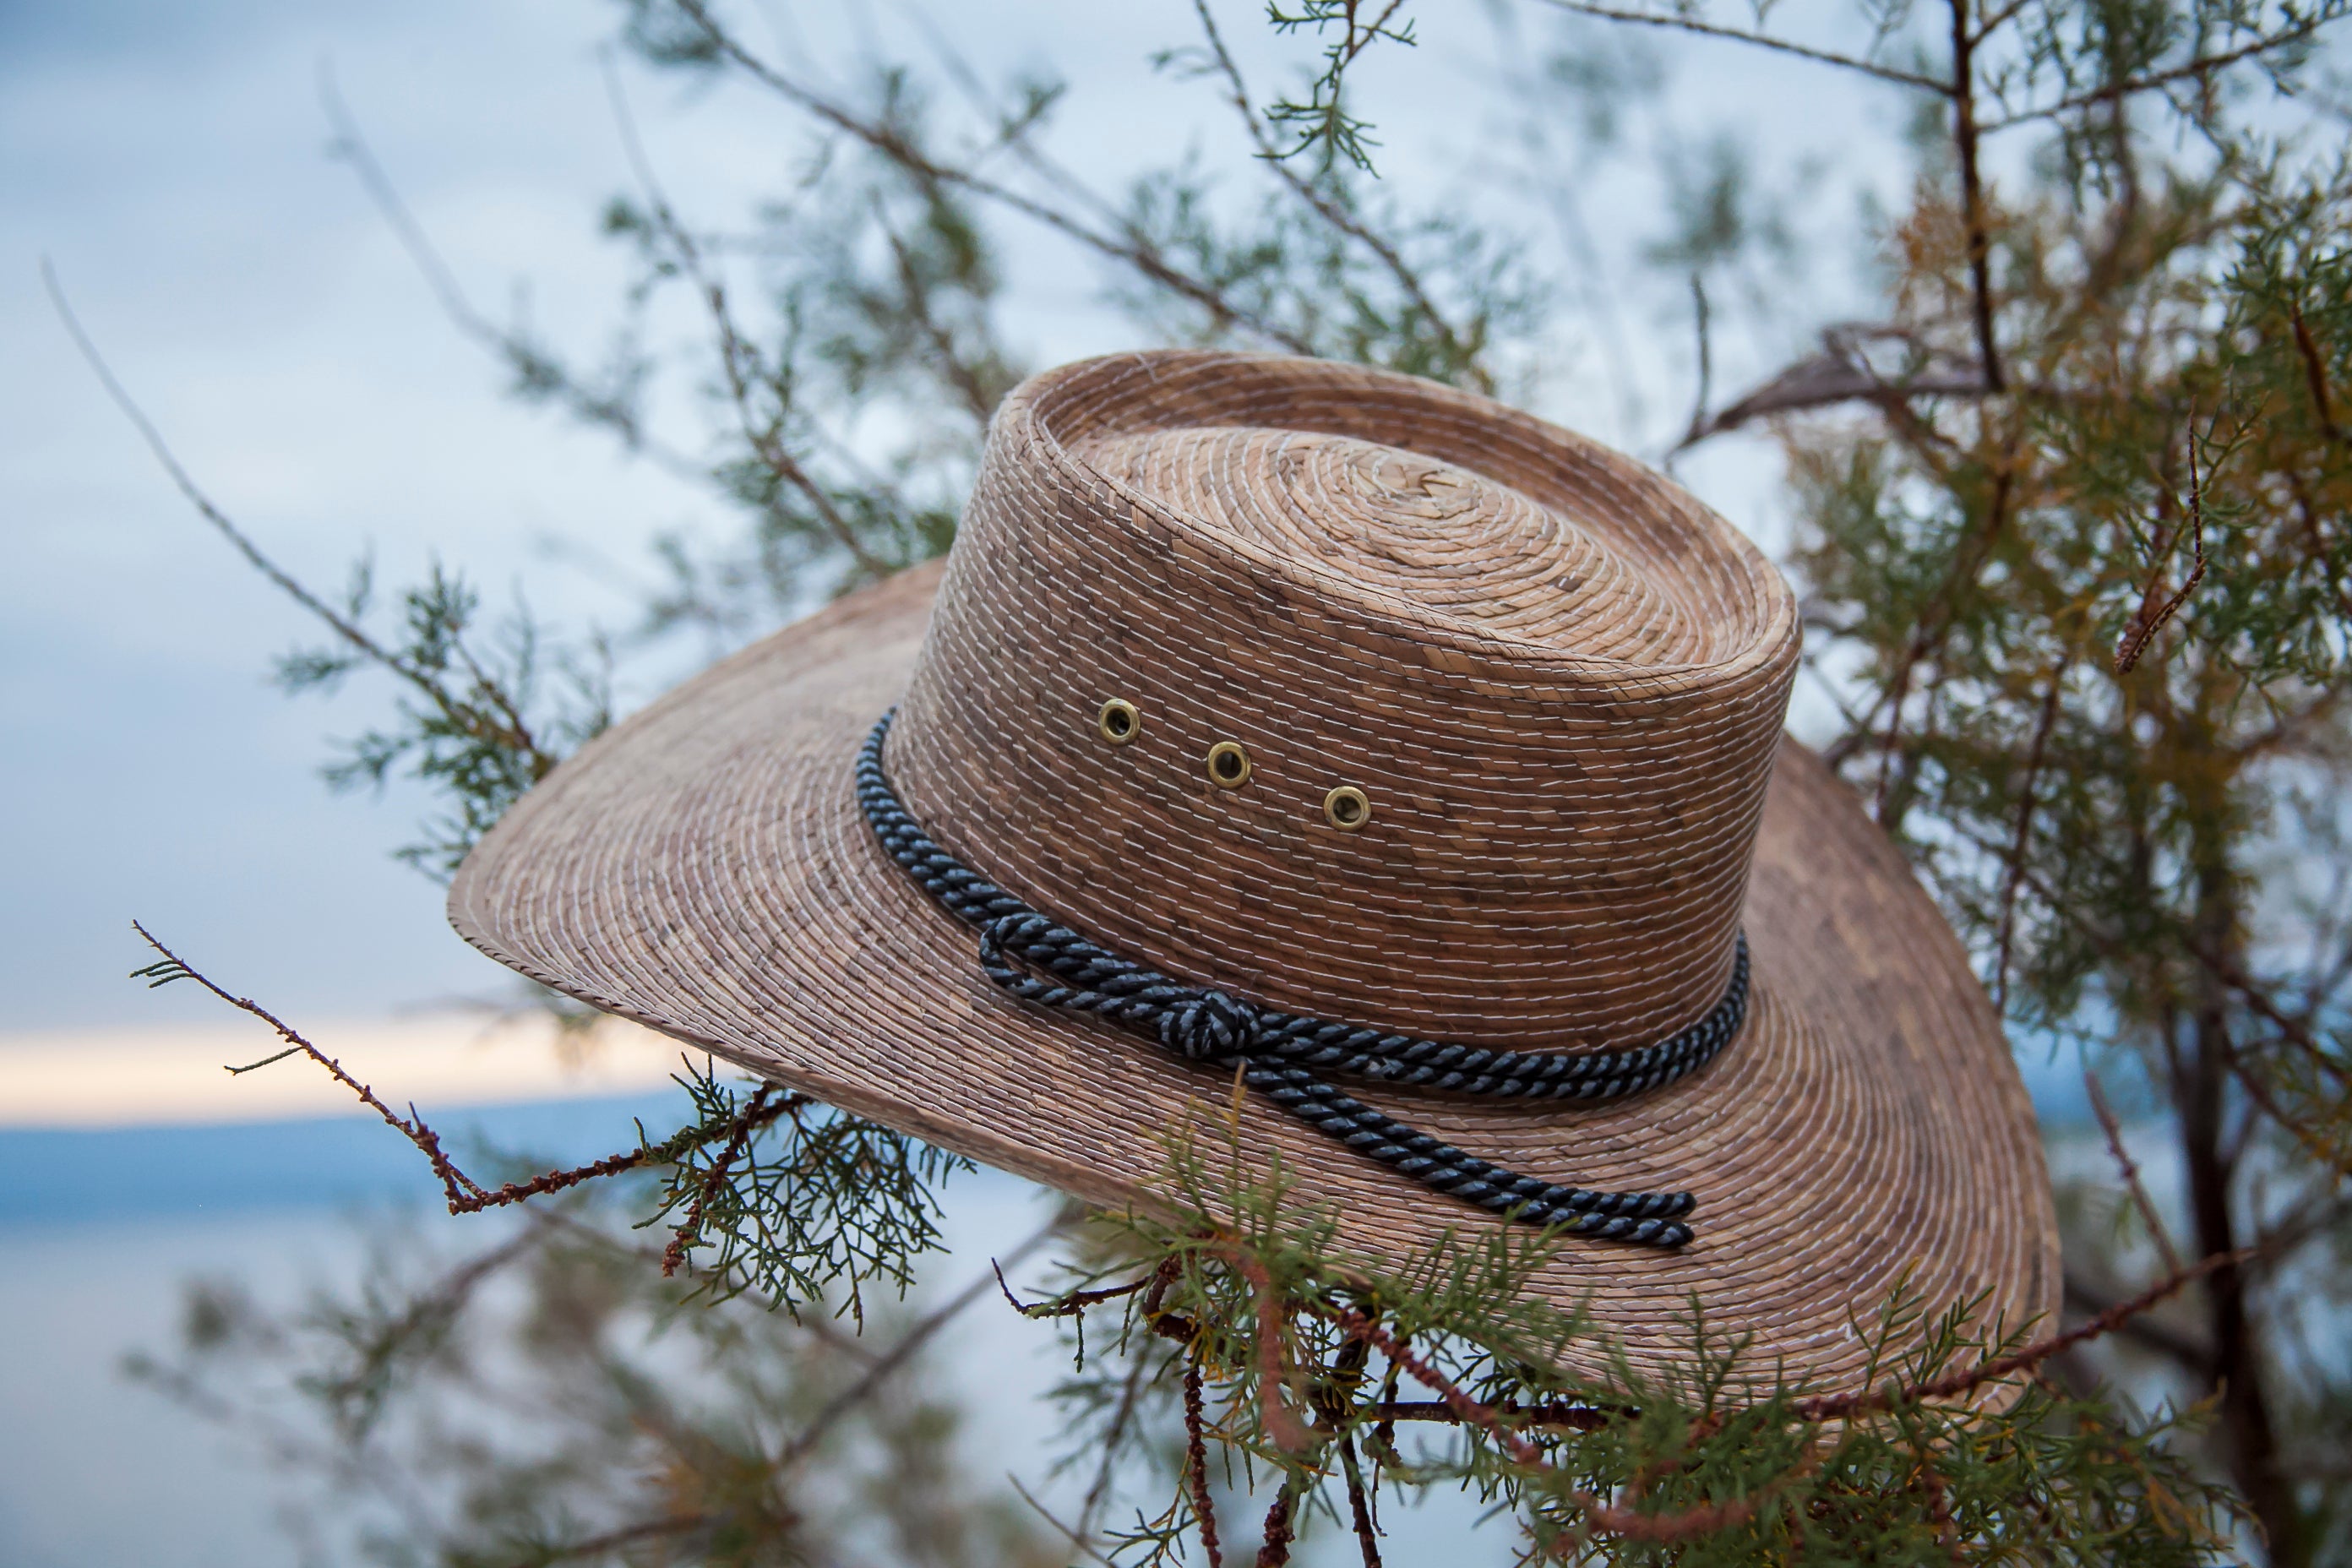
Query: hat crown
x=1556, y=678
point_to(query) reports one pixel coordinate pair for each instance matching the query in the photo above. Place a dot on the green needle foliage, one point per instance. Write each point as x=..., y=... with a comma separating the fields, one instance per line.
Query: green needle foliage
x=1314, y=1386
x=2071, y=502
x=551, y=1397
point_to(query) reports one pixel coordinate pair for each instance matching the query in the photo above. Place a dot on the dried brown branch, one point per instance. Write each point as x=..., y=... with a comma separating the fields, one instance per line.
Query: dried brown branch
x=1574, y=1416
x=1281, y=1525
x=1600, y=1516
x=1465, y=1409
x=2155, y=608
x=2315, y=375
x=1842, y=1406
x=2147, y=1329
x=1196, y=1465
x=1965, y=140
x=465, y=1194
x=690, y=1227
x=1078, y=1301
x=1359, y=1510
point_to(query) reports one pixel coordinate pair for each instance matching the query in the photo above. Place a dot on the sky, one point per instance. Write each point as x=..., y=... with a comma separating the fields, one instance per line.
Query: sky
x=170, y=163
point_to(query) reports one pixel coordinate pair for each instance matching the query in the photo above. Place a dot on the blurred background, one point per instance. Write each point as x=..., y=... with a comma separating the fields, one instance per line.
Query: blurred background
x=186, y=173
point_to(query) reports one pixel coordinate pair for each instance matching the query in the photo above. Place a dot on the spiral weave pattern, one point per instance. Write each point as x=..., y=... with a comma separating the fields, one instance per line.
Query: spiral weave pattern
x=1281, y=1054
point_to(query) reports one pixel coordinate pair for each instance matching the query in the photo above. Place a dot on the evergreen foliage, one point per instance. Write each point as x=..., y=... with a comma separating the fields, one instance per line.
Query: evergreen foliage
x=2075, y=557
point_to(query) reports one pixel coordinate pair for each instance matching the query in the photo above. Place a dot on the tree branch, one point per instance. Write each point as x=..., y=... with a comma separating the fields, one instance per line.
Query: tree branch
x=1759, y=40
x=1129, y=250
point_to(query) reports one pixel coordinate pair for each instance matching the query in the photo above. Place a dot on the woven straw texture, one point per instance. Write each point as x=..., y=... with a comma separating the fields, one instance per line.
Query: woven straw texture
x=1558, y=682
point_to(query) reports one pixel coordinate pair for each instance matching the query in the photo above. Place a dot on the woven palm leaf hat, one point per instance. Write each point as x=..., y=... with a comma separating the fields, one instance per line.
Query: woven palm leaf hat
x=1414, y=760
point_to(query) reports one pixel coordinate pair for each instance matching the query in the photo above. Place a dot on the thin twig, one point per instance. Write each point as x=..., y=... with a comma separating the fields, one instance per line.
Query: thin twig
x=2026, y=807
x=467, y=720
x=1762, y=40
x=1838, y=1408
x=1132, y=250
x=1078, y=1301
x=1965, y=137
x=2130, y=1170
x=2153, y=612
x=690, y=1229
x=465, y=1194
x=2315, y=375
x=520, y=353
x=1080, y=1542
x=1359, y=1511
x=2313, y=1144
x=2258, y=1001
x=900, y=1353
x=1196, y=1464
x=1282, y=1423
x=734, y=353
x=2131, y=86
x=462, y=1190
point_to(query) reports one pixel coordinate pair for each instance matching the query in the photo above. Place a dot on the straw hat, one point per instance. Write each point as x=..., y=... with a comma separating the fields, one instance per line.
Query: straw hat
x=1313, y=704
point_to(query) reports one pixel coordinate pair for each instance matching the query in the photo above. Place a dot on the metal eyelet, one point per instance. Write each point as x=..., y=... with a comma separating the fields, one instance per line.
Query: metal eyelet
x=1347, y=808
x=1229, y=765
x=1118, y=723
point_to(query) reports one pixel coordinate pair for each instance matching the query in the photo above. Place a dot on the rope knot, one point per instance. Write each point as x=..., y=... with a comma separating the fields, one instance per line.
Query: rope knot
x=1208, y=1024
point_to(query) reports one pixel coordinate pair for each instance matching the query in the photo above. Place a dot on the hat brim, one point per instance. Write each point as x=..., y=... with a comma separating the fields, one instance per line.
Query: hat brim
x=703, y=868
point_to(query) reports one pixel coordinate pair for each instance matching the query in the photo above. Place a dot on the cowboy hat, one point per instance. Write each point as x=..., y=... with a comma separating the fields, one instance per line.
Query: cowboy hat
x=1417, y=761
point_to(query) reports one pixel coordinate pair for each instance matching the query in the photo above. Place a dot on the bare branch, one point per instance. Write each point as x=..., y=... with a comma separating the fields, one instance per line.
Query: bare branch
x=1320, y=204
x=2153, y=611
x=528, y=360
x=1128, y=249
x=1196, y=1465
x=465, y=1194
x=2130, y=1171
x=2026, y=807
x=1965, y=138
x=734, y=353
x=463, y=716
x=900, y=1353
x=1759, y=40
x=2131, y=86
x=1840, y=1406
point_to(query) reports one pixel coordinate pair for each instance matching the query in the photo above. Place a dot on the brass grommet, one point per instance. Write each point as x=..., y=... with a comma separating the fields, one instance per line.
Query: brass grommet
x=1229, y=765
x=1118, y=723
x=1347, y=808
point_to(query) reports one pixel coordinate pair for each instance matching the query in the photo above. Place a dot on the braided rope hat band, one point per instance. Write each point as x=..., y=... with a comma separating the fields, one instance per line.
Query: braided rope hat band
x=1340, y=696
x=1287, y=1054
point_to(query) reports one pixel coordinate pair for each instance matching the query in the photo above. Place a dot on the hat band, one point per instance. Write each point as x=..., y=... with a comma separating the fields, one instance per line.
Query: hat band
x=1282, y=1054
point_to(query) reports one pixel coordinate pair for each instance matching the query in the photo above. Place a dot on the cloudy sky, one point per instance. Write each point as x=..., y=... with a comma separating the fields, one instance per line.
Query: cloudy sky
x=171, y=161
